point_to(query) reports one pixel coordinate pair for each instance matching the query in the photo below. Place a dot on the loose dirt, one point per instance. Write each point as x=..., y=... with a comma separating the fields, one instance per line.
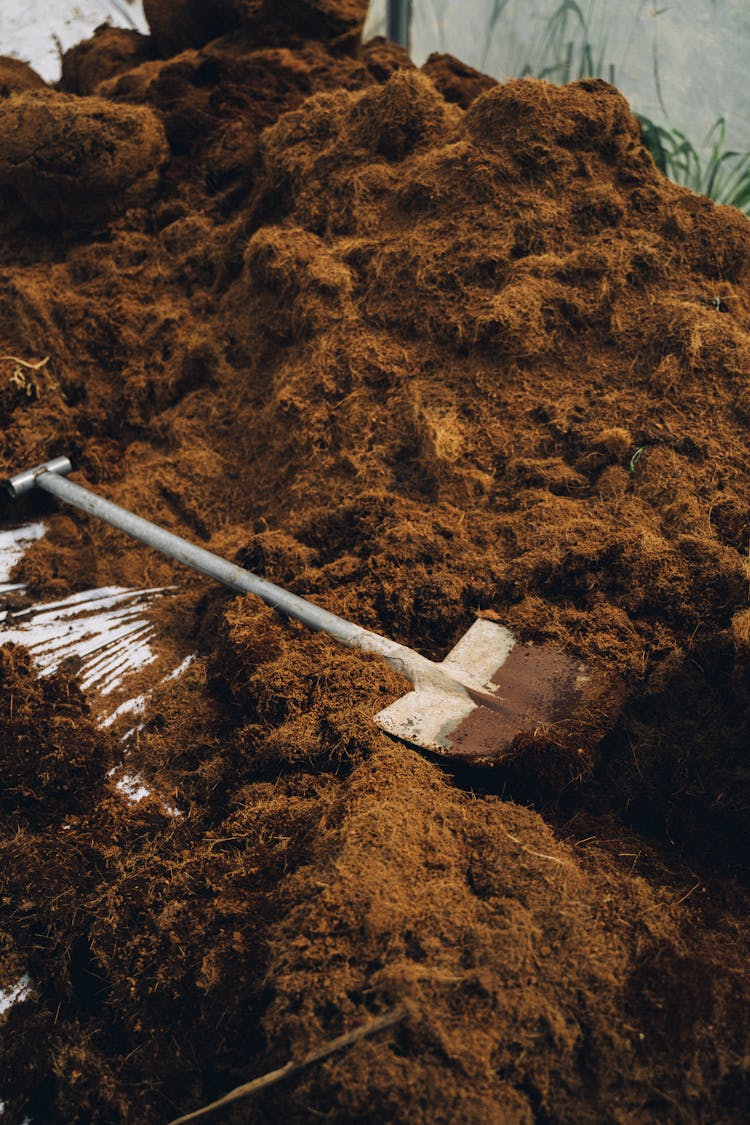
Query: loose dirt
x=419, y=346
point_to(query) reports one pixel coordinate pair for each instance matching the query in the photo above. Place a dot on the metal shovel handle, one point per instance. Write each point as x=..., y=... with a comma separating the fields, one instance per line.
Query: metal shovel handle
x=50, y=477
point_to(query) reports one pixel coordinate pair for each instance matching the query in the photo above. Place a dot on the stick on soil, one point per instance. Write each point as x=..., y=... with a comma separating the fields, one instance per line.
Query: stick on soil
x=380, y=1023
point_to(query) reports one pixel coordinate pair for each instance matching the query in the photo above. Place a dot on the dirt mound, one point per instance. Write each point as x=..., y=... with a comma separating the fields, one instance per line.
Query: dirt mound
x=419, y=348
x=556, y=300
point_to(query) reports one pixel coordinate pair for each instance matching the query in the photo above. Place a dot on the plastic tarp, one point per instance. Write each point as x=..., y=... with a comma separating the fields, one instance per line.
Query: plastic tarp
x=37, y=31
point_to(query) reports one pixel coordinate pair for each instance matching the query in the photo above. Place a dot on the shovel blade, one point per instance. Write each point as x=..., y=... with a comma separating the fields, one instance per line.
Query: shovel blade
x=527, y=694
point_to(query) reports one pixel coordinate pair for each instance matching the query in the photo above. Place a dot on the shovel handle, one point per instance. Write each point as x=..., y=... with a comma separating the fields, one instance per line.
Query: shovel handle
x=51, y=478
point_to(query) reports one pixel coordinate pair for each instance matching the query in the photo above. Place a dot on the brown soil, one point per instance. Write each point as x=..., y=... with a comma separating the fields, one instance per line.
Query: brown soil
x=419, y=346
x=456, y=81
x=111, y=51
x=52, y=142
x=16, y=76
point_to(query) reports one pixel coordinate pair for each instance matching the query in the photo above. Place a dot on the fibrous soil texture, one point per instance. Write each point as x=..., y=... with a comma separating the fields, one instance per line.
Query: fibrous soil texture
x=421, y=347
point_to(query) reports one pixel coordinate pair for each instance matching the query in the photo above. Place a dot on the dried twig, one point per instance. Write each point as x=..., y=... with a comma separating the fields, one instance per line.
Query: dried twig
x=688, y=893
x=25, y=363
x=388, y=1019
x=541, y=855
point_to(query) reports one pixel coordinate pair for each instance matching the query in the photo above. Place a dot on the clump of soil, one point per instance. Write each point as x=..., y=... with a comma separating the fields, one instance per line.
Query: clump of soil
x=456, y=81
x=178, y=24
x=512, y=957
x=418, y=346
x=49, y=143
x=111, y=51
x=16, y=75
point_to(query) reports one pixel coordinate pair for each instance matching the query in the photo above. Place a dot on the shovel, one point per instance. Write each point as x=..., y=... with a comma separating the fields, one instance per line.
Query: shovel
x=490, y=697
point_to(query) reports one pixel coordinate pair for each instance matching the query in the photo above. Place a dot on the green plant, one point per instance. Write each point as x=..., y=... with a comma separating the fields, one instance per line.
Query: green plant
x=635, y=458
x=566, y=51
x=723, y=174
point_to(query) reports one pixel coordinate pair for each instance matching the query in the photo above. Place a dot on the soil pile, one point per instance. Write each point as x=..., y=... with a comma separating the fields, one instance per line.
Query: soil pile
x=418, y=346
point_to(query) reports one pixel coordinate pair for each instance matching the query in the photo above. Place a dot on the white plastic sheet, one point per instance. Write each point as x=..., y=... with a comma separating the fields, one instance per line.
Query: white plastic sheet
x=37, y=31
x=109, y=632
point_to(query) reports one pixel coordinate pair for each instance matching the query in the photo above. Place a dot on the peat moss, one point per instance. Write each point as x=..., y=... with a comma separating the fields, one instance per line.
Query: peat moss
x=419, y=346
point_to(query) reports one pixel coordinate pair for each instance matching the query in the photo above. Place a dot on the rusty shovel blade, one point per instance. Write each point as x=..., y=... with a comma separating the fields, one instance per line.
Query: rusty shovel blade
x=499, y=697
